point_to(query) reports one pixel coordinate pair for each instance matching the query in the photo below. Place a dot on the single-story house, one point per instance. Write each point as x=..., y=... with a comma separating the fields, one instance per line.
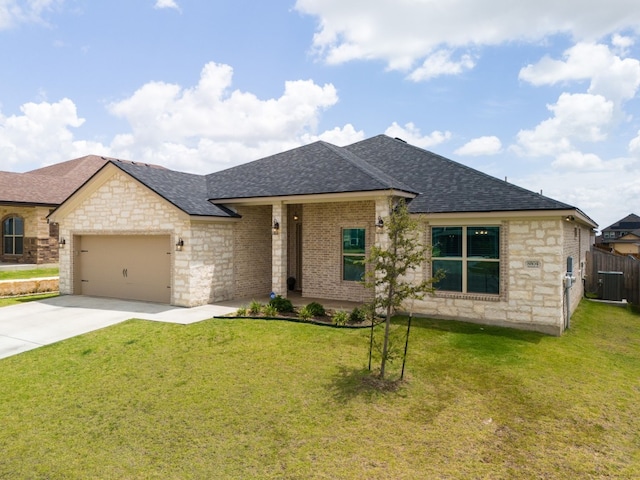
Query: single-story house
x=137, y=231
x=26, y=199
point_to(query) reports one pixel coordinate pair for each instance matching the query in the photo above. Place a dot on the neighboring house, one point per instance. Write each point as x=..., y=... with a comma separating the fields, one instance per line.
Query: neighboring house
x=140, y=232
x=622, y=237
x=26, y=199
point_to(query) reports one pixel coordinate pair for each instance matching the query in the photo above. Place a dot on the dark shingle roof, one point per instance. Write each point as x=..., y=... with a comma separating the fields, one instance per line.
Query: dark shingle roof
x=376, y=164
x=446, y=186
x=186, y=191
x=311, y=169
x=630, y=222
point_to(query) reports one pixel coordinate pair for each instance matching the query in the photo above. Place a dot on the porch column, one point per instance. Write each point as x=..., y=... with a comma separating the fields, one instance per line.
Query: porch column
x=382, y=211
x=279, y=249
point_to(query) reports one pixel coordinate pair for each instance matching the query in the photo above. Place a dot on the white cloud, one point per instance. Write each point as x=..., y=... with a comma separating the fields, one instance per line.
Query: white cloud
x=199, y=129
x=440, y=63
x=404, y=32
x=43, y=133
x=211, y=126
x=606, y=194
x=575, y=160
x=160, y=4
x=634, y=146
x=621, y=44
x=577, y=118
x=411, y=134
x=162, y=114
x=489, y=145
x=15, y=12
x=609, y=75
x=338, y=136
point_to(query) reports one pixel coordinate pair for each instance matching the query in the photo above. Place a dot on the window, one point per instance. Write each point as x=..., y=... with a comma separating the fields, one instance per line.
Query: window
x=470, y=258
x=353, y=252
x=13, y=236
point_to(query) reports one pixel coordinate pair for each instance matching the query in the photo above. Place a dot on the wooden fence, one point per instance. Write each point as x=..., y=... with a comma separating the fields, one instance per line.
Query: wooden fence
x=600, y=261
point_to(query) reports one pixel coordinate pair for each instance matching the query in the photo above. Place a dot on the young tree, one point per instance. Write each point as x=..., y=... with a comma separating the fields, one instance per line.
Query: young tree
x=405, y=251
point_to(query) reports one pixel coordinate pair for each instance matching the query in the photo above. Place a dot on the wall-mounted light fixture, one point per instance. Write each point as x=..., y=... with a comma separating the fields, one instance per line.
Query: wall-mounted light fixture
x=276, y=227
x=570, y=218
x=379, y=224
x=62, y=242
x=179, y=245
x=296, y=217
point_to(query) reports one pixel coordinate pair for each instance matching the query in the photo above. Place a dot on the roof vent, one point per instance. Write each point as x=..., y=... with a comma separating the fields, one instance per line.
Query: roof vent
x=400, y=140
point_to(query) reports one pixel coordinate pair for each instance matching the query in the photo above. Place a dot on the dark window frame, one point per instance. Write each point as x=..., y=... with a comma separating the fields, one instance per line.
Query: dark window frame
x=474, y=267
x=353, y=253
x=12, y=237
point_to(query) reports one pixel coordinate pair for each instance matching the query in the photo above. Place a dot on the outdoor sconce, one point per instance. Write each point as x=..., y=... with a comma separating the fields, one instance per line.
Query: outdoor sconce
x=276, y=227
x=295, y=217
x=379, y=224
x=62, y=243
x=179, y=245
x=570, y=218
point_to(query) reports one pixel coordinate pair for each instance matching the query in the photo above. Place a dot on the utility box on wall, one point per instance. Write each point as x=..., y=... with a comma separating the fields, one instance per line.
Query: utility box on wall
x=610, y=284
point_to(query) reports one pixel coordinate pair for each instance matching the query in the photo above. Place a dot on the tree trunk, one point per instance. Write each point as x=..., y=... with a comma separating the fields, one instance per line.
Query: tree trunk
x=385, y=344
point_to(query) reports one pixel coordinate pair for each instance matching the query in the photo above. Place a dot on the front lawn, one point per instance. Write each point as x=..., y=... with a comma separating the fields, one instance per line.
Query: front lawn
x=236, y=399
x=6, y=301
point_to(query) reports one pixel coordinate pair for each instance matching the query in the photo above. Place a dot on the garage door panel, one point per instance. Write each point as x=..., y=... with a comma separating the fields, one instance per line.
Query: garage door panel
x=127, y=267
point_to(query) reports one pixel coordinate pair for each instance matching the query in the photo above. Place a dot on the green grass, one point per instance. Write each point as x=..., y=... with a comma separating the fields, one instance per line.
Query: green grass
x=6, y=301
x=270, y=399
x=31, y=273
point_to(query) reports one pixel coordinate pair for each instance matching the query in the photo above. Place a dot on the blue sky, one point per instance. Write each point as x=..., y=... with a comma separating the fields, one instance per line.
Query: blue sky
x=543, y=93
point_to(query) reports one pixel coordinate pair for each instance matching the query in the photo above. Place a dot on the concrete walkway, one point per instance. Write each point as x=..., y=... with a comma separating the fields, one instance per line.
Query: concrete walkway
x=42, y=322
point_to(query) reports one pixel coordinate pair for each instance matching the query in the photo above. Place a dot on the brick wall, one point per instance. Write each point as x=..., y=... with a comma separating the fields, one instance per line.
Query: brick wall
x=322, y=248
x=252, y=252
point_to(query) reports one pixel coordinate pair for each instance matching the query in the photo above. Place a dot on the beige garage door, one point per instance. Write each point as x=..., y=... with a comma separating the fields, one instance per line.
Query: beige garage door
x=132, y=267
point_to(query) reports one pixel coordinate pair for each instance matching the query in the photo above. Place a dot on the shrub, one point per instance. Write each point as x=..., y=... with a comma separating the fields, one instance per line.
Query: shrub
x=315, y=309
x=281, y=304
x=305, y=313
x=357, y=315
x=255, y=307
x=340, y=317
x=241, y=312
x=269, y=310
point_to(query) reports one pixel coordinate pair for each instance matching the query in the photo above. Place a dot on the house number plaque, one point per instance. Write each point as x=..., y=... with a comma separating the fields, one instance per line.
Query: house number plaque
x=532, y=263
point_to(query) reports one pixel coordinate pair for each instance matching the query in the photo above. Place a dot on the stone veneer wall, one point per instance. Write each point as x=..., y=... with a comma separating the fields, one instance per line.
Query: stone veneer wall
x=252, y=252
x=322, y=248
x=123, y=206
x=40, y=239
x=532, y=267
x=210, y=262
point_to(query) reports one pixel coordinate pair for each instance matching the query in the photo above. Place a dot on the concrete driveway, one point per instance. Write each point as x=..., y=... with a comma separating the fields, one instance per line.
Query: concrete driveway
x=34, y=324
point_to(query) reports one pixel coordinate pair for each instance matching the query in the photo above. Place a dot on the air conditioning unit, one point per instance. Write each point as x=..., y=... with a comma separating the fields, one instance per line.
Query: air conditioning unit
x=610, y=285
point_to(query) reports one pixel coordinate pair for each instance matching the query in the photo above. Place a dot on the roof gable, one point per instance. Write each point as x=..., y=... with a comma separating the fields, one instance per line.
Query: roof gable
x=186, y=191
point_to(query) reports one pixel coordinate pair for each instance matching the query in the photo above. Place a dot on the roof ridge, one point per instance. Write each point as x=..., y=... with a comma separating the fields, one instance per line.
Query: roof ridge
x=475, y=171
x=364, y=166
